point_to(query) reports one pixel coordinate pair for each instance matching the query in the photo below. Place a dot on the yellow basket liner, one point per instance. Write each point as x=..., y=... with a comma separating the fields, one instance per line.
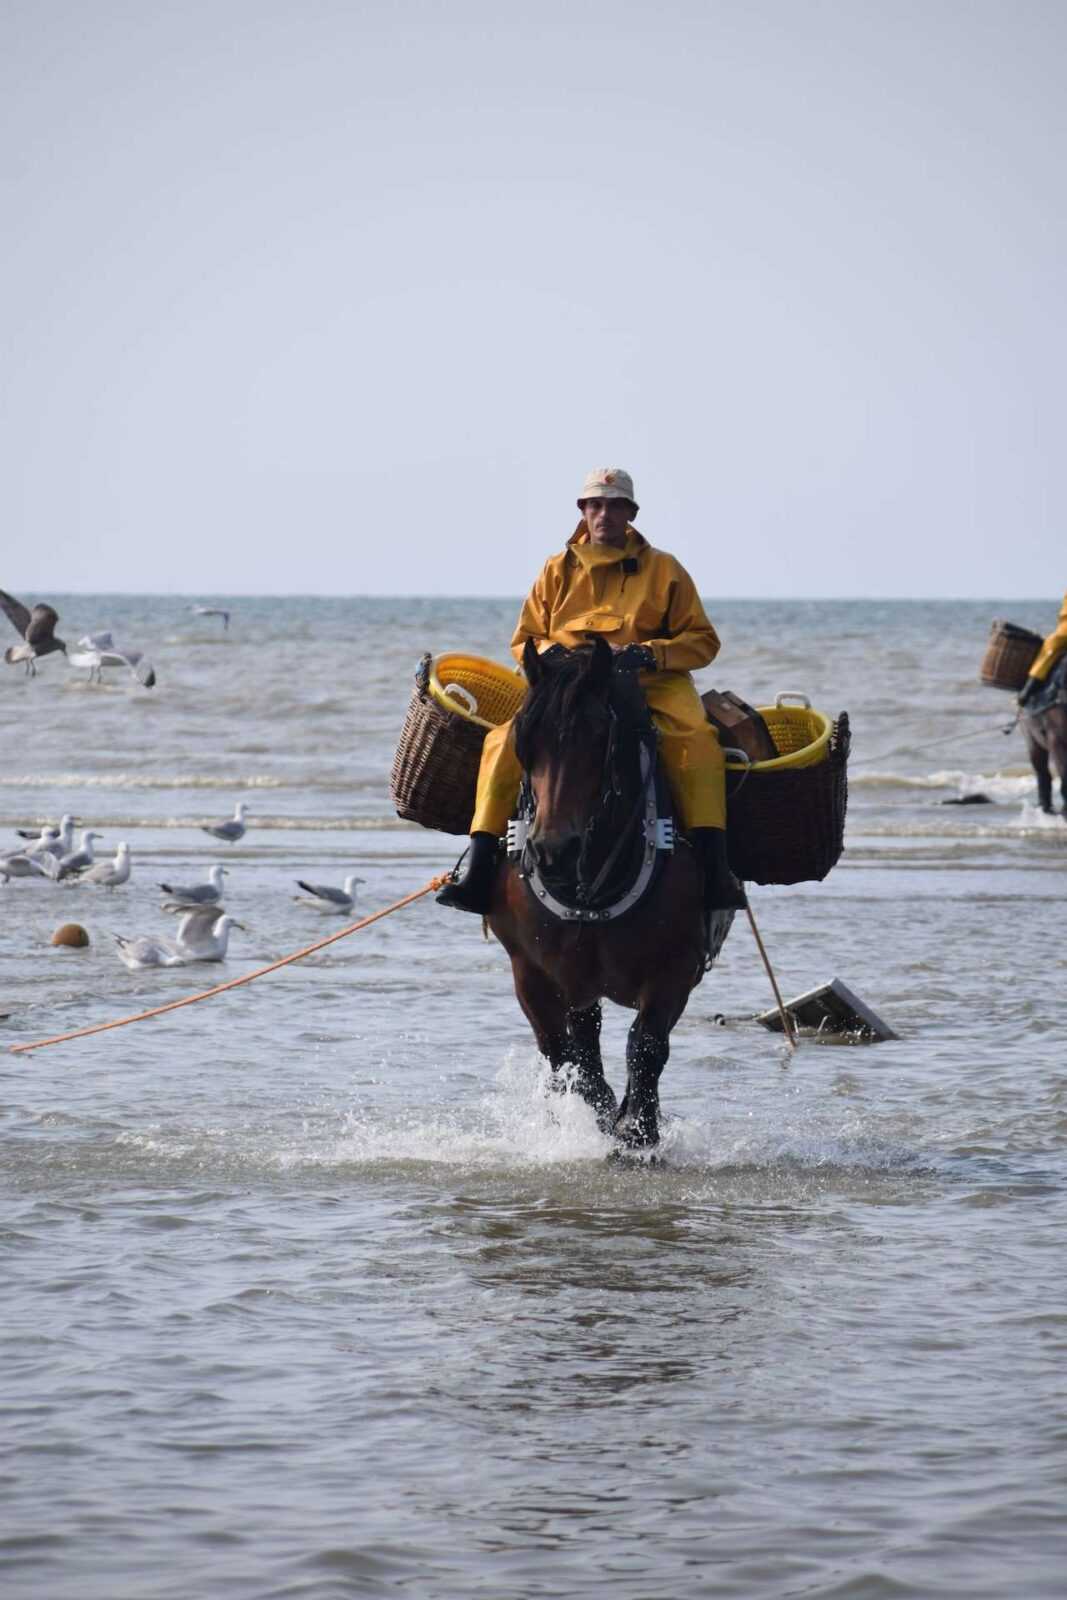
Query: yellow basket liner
x=800, y=734
x=488, y=693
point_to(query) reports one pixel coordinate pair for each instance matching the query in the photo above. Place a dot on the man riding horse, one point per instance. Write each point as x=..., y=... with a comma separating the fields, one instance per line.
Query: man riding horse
x=1046, y=658
x=1043, y=710
x=610, y=583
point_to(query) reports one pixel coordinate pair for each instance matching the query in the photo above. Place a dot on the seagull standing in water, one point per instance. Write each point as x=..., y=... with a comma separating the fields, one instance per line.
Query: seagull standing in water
x=70, y=865
x=232, y=830
x=109, y=874
x=45, y=843
x=325, y=898
x=36, y=628
x=197, y=894
x=56, y=842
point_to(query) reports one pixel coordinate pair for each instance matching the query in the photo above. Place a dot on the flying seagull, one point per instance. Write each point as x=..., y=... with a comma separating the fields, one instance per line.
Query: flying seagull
x=197, y=894
x=36, y=629
x=232, y=830
x=99, y=650
x=212, y=611
x=325, y=898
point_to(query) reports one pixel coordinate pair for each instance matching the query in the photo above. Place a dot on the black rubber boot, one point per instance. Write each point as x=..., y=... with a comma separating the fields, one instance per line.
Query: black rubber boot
x=473, y=889
x=722, y=891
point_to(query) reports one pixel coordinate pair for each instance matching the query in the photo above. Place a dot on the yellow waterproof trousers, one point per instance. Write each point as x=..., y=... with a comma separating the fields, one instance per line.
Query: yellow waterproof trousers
x=689, y=748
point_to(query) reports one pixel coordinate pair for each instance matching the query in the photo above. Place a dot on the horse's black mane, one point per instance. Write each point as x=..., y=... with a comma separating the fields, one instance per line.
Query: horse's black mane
x=553, y=702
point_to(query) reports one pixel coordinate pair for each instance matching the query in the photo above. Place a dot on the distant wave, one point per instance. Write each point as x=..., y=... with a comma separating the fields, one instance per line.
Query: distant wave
x=138, y=780
x=336, y=781
x=1011, y=784
x=259, y=823
x=1029, y=822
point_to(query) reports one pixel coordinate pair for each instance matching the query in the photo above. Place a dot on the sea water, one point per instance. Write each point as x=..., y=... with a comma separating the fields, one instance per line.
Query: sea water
x=310, y=1290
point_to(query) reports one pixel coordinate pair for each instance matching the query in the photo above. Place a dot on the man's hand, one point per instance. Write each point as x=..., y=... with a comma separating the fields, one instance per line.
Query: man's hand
x=554, y=652
x=635, y=658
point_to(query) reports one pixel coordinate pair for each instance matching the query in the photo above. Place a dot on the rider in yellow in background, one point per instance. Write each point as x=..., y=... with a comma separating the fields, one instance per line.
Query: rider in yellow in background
x=609, y=581
x=1046, y=657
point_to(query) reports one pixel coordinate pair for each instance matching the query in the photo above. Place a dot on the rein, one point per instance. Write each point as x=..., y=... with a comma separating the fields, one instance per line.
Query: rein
x=587, y=895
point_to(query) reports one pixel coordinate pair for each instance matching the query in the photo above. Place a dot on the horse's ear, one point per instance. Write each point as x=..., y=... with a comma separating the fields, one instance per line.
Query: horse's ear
x=599, y=670
x=531, y=663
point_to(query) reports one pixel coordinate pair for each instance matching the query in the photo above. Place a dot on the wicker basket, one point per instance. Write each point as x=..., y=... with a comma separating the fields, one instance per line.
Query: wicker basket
x=786, y=818
x=1009, y=656
x=456, y=699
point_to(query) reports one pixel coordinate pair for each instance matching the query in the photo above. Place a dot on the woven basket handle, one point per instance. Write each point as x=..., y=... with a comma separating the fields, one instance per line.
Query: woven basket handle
x=791, y=694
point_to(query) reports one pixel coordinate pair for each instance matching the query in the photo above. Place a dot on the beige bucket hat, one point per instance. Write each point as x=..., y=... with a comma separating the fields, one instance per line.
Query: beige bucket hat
x=608, y=483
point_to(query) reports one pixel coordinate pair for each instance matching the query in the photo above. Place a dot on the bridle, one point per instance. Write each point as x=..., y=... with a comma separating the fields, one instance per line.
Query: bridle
x=601, y=893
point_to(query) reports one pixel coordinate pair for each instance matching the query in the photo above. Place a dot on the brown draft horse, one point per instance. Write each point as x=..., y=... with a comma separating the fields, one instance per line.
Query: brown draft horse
x=584, y=782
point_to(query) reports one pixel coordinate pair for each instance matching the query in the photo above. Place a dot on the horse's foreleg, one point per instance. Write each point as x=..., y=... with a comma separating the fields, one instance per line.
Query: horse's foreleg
x=590, y=1082
x=647, y=1049
x=545, y=1010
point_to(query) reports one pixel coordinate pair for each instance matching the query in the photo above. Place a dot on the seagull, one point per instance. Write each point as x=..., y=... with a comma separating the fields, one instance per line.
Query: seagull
x=56, y=842
x=325, y=898
x=197, y=894
x=43, y=842
x=77, y=860
x=109, y=874
x=36, y=629
x=204, y=933
x=147, y=951
x=99, y=650
x=232, y=830
x=20, y=865
x=212, y=611
x=202, y=936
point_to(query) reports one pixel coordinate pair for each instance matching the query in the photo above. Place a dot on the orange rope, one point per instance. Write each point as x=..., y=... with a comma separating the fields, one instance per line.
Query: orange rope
x=235, y=983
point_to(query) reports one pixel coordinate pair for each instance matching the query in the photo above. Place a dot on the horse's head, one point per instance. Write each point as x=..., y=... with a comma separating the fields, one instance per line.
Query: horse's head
x=562, y=735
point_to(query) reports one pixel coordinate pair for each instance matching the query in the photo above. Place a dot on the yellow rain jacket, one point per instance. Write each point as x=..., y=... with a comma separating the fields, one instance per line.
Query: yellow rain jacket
x=1053, y=647
x=633, y=595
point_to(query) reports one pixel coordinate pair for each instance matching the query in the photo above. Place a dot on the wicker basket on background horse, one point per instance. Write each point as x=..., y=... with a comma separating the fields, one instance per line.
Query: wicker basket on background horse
x=785, y=818
x=456, y=700
x=1009, y=656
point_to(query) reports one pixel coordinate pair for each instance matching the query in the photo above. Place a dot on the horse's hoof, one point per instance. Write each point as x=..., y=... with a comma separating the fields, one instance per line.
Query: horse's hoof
x=636, y=1134
x=635, y=1158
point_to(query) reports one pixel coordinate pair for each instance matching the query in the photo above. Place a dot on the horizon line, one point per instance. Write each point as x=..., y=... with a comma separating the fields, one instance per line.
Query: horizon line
x=369, y=594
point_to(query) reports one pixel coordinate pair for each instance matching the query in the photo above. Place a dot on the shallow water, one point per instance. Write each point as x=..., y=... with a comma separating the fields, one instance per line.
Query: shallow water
x=311, y=1290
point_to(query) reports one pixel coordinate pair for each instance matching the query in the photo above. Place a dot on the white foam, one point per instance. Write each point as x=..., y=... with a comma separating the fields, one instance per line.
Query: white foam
x=137, y=780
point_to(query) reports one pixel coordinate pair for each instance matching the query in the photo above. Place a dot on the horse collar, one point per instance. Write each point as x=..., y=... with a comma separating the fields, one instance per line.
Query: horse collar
x=658, y=839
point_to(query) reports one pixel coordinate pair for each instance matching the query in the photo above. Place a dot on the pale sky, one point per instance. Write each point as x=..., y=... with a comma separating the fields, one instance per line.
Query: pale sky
x=337, y=297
